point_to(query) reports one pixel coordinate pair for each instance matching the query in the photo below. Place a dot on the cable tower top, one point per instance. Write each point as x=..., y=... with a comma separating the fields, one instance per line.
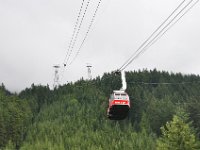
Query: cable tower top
x=56, y=76
x=89, y=66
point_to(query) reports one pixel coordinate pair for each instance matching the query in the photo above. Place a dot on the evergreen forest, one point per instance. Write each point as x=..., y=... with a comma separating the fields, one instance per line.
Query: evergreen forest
x=164, y=115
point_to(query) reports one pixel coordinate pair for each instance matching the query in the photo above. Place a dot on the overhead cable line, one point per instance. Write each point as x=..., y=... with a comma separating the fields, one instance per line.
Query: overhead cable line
x=75, y=28
x=151, y=83
x=86, y=35
x=159, y=35
x=77, y=33
x=158, y=28
x=172, y=25
x=140, y=51
x=151, y=42
x=164, y=83
x=73, y=34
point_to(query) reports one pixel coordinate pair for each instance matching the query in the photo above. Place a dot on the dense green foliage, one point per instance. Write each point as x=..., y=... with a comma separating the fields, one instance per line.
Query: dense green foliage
x=73, y=116
x=15, y=116
x=177, y=134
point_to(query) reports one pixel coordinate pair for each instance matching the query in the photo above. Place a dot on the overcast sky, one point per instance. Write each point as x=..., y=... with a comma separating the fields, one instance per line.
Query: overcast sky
x=35, y=35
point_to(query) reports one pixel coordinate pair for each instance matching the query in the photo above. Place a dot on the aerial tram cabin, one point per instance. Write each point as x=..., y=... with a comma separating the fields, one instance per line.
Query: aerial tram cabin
x=119, y=103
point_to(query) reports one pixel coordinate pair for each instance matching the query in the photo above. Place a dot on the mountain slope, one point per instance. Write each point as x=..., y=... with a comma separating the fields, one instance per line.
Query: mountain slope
x=73, y=116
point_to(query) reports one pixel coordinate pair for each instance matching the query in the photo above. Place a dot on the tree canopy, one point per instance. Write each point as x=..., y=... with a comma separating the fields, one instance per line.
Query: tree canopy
x=73, y=116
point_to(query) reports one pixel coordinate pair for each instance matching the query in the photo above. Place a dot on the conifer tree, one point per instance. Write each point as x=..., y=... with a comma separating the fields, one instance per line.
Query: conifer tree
x=177, y=134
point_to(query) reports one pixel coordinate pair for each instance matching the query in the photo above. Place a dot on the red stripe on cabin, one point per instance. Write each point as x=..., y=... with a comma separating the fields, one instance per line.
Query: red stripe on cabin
x=120, y=102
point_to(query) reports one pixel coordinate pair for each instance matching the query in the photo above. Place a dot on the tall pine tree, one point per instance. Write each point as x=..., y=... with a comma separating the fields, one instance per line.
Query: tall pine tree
x=177, y=134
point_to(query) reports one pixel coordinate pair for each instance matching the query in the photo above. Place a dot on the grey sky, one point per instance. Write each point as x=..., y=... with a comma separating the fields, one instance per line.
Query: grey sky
x=35, y=35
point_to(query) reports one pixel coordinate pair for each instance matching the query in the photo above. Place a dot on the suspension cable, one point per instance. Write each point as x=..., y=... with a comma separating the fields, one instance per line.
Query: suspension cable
x=151, y=42
x=172, y=25
x=75, y=28
x=165, y=83
x=158, y=28
x=160, y=34
x=77, y=33
x=86, y=35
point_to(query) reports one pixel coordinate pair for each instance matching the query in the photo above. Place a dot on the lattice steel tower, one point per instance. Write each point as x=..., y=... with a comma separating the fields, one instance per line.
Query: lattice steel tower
x=56, y=76
x=89, y=66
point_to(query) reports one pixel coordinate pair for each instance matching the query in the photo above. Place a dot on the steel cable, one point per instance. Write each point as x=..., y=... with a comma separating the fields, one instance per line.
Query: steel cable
x=151, y=42
x=86, y=35
x=77, y=33
x=158, y=28
x=74, y=30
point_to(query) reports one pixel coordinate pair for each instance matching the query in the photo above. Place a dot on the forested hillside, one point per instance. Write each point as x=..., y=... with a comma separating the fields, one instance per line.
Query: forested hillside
x=165, y=114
